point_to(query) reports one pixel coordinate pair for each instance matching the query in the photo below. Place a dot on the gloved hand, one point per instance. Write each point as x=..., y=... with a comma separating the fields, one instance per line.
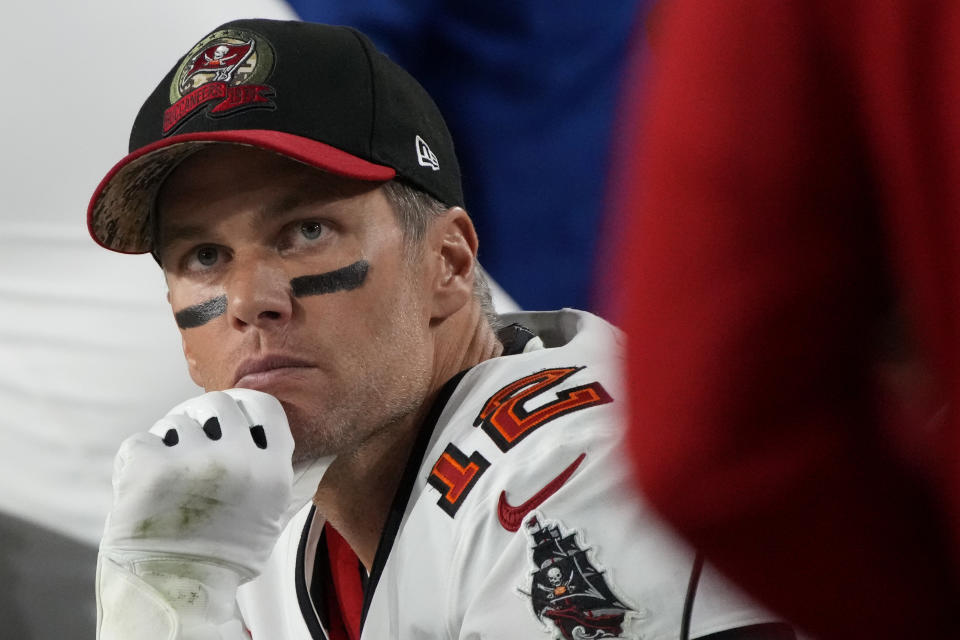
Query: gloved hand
x=199, y=503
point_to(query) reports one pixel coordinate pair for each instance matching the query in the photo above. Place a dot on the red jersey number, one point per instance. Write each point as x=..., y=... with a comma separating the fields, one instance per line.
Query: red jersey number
x=506, y=419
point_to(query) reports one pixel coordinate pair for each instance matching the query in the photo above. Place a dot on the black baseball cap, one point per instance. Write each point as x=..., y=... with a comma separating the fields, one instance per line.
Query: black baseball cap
x=319, y=94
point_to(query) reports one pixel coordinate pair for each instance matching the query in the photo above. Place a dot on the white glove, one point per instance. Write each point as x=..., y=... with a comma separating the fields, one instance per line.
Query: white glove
x=199, y=503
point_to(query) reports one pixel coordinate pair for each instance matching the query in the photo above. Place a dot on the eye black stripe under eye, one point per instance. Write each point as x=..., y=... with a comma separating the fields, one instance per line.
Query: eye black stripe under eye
x=200, y=314
x=343, y=279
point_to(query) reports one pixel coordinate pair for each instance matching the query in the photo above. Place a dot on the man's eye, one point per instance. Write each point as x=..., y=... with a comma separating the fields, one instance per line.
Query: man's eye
x=311, y=230
x=207, y=256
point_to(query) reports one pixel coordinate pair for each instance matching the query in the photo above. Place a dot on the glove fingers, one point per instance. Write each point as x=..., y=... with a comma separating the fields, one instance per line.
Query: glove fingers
x=188, y=489
x=177, y=429
x=267, y=420
x=218, y=418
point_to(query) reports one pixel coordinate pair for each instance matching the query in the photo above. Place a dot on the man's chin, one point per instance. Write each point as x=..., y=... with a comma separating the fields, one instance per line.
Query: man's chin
x=312, y=439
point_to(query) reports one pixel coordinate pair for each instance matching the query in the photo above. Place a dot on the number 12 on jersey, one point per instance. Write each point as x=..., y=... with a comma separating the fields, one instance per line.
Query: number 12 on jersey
x=507, y=420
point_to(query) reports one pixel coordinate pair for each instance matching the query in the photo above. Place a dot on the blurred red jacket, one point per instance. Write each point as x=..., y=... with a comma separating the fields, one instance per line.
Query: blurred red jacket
x=792, y=297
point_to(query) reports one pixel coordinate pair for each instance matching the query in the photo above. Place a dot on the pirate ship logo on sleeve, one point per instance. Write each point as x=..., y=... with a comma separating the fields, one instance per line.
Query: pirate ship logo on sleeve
x=223, y=73
x=568, y=591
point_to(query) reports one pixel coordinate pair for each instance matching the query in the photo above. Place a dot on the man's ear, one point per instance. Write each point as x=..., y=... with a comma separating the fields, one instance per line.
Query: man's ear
x=455, y=242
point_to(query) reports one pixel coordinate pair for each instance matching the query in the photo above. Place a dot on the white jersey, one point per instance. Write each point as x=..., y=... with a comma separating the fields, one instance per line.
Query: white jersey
x=516, y=517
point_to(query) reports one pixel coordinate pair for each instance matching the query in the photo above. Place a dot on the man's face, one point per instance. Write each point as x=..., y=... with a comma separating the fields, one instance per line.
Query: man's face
x=295, y=282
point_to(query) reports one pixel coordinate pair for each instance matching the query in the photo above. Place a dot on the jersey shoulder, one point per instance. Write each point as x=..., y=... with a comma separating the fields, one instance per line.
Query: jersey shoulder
x=506, y=410
x=524, y=502
x=575, y=362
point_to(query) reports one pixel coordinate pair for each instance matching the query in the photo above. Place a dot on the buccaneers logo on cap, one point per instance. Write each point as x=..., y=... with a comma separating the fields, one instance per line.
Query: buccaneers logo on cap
x=221, y=60
x=226, y=69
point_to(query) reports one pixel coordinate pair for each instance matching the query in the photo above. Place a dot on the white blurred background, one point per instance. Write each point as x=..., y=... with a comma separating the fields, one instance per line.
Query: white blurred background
x=88, y=351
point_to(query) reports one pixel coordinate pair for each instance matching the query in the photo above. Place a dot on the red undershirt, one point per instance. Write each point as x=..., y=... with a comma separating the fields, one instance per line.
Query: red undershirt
x=345, y=608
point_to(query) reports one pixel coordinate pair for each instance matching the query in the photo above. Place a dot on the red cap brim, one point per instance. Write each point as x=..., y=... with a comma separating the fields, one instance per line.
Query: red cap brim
x=118, y=216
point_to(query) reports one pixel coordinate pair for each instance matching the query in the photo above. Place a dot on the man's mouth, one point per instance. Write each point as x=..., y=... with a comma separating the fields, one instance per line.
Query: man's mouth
x=254, y=372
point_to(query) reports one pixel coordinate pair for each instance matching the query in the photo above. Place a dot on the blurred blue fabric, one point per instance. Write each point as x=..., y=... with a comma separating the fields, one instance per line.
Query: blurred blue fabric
x=529, y=90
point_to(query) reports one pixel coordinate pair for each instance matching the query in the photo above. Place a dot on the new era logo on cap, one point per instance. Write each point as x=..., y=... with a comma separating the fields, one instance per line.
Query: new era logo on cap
x=425, y=156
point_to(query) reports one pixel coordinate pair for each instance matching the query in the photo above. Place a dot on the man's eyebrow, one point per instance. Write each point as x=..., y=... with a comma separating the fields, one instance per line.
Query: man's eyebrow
x=168, y=235
x=290, y=202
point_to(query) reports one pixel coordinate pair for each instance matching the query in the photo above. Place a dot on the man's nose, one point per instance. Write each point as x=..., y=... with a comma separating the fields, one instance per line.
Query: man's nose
x=258, y=293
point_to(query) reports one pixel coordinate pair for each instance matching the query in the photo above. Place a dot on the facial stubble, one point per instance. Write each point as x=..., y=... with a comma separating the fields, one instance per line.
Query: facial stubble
x=391, y=386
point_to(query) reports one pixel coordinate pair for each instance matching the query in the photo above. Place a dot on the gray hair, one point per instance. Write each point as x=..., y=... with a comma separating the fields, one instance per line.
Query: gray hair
x=415, y=210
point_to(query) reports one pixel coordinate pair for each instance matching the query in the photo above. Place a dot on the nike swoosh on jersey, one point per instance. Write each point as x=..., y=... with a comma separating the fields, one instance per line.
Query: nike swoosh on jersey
x=511, y=517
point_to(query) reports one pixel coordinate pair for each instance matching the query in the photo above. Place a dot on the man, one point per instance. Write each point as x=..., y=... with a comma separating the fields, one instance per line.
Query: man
x=302, y=195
